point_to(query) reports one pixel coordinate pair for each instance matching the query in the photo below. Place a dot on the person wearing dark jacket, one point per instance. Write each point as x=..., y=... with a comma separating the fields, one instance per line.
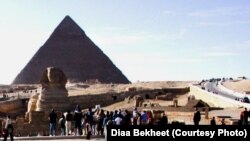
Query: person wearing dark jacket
x=68, y=118
x=163, y=120
x=212, y=121
x=78, y=120
x=52, y=123
x=197, y=117
x=245, y=117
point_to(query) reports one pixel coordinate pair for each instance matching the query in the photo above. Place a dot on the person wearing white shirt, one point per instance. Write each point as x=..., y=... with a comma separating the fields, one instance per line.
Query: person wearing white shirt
x=118, y=120
x=8, y=129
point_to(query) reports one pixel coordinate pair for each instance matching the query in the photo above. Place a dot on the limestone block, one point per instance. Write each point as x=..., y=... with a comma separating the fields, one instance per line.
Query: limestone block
x=138, y=100
x=36, y=117
x=32, y=103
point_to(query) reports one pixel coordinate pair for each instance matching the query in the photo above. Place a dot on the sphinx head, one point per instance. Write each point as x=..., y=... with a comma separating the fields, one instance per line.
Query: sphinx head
x=53, y=77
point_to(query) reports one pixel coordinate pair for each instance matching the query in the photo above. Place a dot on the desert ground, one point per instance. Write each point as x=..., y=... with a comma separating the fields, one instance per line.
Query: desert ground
x=83, y=88
x=238, y=85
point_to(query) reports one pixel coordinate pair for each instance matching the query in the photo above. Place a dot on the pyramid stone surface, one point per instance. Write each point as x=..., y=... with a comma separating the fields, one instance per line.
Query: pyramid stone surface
x=70, y=49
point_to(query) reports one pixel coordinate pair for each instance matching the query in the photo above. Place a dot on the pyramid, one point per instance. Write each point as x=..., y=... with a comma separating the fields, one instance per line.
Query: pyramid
x=70, y=49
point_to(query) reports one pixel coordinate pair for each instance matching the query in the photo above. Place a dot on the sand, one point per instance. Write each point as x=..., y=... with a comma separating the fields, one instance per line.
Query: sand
x=182, y=101
x=82, y=89
x=238, y=85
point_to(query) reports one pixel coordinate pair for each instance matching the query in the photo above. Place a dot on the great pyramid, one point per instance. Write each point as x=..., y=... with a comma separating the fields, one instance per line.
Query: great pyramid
x=70, y=49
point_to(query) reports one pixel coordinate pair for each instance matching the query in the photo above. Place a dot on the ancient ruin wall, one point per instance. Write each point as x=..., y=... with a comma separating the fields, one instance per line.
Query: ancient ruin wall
x=11, y=105
x=111, y=98
x=86, y=101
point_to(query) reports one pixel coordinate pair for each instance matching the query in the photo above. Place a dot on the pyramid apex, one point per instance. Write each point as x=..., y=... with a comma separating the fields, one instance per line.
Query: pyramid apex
x=67, y=18
x=68, y=26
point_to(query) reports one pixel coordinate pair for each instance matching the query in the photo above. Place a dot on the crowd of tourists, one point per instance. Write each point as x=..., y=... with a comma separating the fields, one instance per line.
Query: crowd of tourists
x=94, y=122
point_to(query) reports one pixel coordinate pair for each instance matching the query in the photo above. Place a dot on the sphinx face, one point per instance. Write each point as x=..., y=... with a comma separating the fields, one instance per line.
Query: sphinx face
x=54, y=75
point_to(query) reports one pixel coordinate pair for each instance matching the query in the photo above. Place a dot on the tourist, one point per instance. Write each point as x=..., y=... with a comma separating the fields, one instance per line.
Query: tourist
x=52, y=123
x=212, y=121
x=69, y=118
x=95, y=122
x=89, y=129
x=115, y=115
x=84, y=122
x=163, y=120
x=90, y=117
x=135, y=112
x=150, y=121
x=62, y=125
x=105, y=128
x=78, y=120
x=107, y=118
x=144, y=118
x=245, y=117
x=8, y=129
x=223, y=122
x=100, y=119
x=127, y=118
x=136, y=119
x=150, y=115
x=118, y=119
x=241, y=118
x=197, y=117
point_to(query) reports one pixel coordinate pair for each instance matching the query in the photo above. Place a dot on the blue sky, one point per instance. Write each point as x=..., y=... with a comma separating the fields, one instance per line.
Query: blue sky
x=149, y=40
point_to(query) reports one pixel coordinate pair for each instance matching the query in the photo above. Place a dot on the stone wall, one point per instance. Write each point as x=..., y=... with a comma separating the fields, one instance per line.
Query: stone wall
x=35, y=122
x=12, y=105
x=85, y=101
x=111, y=98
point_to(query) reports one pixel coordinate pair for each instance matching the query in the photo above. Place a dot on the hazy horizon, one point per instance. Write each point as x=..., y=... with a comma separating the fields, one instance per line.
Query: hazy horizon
x=162, y=40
